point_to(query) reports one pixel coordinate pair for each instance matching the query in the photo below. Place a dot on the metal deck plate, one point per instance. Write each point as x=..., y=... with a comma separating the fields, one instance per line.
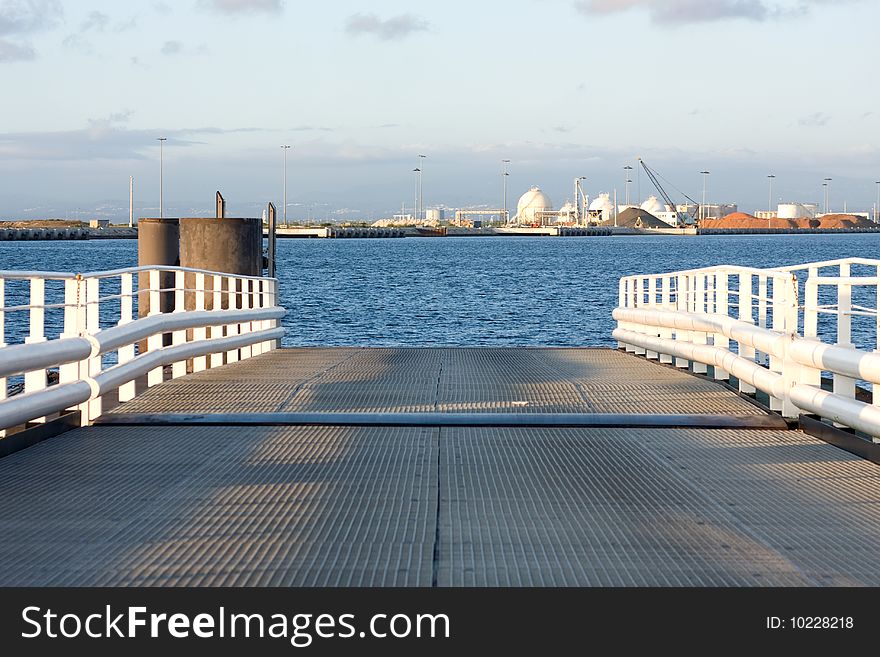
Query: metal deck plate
x=376, y=506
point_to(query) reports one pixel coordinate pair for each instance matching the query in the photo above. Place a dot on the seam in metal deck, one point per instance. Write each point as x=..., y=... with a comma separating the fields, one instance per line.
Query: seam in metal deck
x=470, y=505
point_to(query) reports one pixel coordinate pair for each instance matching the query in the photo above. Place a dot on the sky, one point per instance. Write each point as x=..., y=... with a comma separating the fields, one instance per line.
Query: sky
x=561, y=88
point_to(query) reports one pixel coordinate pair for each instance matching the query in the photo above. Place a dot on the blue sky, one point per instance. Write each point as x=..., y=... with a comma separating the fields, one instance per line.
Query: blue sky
x=562, y=88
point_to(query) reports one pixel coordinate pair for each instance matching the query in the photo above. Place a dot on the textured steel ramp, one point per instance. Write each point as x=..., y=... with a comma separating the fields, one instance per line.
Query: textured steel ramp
x=433, y=480
x=348, y=506
x=442, y=380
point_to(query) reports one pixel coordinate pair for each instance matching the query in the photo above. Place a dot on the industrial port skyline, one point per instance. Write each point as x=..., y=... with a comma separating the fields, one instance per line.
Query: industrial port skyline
x=382, y=86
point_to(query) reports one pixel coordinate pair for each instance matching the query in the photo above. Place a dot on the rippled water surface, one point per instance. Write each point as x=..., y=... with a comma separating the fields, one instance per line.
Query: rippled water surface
x=465, y=291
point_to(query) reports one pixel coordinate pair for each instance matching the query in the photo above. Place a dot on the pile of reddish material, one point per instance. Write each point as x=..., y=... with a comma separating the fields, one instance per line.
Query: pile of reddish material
x=742, y=220
x=844, y=221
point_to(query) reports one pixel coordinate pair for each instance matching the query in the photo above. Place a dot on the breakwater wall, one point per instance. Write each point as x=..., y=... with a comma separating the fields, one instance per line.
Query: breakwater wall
x=66, y=233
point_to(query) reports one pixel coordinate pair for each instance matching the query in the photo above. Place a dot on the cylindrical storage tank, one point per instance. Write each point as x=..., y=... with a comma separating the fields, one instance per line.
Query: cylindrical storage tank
x=158, y=244
x=228, y=245
x=433, y=215
x=790, y=211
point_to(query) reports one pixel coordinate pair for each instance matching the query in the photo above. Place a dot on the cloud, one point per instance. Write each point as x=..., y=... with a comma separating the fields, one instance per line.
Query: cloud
x=171, y=48
x=23, y=16
x=96, y=21
x=396, y=27
x=19, y=17
x=815, y=120
x=16, y=52
x=703, y=11
x=104, y=138
x=244, y=6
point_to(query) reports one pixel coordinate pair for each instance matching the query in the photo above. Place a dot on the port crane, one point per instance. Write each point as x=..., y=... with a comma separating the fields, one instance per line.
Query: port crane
x=654, y=177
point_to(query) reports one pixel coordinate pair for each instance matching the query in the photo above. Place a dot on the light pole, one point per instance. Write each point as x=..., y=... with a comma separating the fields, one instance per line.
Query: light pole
x=161, y=141
x=418, y=173
x=504, y=175
x=627, y=168
x=421, y=198
x=826, y=184
x=877, y=207
x=703, y=206
x=284, y=149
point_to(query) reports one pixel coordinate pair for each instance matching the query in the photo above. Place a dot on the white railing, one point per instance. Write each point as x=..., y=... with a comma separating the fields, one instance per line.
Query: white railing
x=751, y=323
x=85, y=326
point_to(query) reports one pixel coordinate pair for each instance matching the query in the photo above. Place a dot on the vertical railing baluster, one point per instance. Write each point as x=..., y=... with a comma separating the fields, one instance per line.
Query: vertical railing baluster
x=700, y=337
x=93, y=325
x=683, y=306
x=652, y=305
x=875, y=391
x=245, y=327
x=721, y=299
x=200, y=363
x=812, y=376
x=216, y=331
x=178, y=367
x=665, y=304
x=156, y=375
x=35, y=380
x=127, y=391
x=3, y=382
x=745, y=315
x=622, y=298
x=232, y=329
x=761, y=357
x=844, y=385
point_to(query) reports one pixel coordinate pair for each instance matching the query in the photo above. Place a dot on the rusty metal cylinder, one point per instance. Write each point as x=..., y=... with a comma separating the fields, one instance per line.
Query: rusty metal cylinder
x=158, y=244
x=228, y=245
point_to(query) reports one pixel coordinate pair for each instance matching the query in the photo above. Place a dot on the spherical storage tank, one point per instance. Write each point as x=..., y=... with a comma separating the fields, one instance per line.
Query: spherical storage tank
x=530, y=203
x=602, y=203
x=653, y=205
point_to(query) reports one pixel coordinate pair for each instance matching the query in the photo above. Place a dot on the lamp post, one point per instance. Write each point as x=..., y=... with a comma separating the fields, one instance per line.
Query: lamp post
x=161, y=141
x=627, y=168
x=418, y=173
x=284, y=149
x=826, y=184
x=705, y=175
x=504, y=175
x=421, y=198
x=877, y=207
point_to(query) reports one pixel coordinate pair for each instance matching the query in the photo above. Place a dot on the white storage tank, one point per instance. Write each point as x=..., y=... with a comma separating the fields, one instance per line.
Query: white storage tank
x=434, y=215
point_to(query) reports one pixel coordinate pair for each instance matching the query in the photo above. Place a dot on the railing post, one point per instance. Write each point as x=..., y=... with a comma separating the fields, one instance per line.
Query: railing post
x=875, y=396
x=200, y=363
x=622, y=296
x=232, y=329
x=216, y=359
x=665, y=304
x=745, y=315
x=156, y=375
x=761, y=357
x=3, y=382
x=178, y=367
x=683, y=305
x=777, y=323
x=93, y=325
x=811, y=375
x=245, y=327
x=128, y=390
x=699, y=337
x=36, y=379
x=844, y=385
x=792, y=371
x=721, y=300
x=652, y=304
